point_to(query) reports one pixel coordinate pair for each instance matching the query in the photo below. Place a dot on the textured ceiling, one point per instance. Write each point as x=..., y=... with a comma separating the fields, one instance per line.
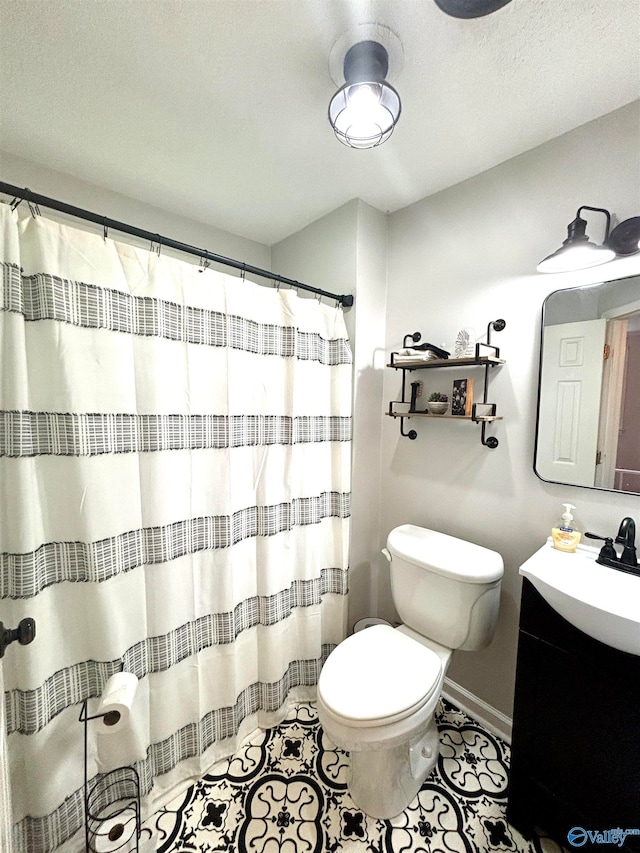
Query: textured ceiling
x=216, y=109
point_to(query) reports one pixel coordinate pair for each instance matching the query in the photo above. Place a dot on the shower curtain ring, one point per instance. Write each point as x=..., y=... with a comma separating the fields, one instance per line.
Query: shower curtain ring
x=244, y=272
x=15, y=204
x=105, y=228
x=33, y=207
x=204, y=264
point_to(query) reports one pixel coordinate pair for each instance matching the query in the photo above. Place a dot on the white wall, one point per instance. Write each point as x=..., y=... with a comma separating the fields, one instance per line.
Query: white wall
x=464, y=257
x=345, y=251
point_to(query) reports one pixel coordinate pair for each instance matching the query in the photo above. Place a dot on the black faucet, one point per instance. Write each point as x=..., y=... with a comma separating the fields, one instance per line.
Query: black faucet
x=608, y=556
x=627, y=538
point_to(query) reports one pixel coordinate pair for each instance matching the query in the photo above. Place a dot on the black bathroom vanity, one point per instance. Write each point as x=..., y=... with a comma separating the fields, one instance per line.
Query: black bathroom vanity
x=575, y=760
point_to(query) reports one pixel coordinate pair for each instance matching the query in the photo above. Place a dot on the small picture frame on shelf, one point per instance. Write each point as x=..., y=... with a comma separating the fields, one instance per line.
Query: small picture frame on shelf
x=462, y=397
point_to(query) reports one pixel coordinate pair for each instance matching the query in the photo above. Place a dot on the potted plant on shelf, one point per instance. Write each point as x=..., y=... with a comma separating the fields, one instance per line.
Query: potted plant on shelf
x=437, y=403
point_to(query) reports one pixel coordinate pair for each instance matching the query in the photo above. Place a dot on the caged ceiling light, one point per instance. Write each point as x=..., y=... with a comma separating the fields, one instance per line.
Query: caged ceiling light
x=364, y=112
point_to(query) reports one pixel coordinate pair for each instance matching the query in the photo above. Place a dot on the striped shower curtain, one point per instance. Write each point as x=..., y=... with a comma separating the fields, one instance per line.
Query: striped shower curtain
x=174, y=503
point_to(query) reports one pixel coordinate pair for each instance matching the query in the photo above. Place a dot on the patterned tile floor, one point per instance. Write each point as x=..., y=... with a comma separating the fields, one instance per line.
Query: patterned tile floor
x=286, y=793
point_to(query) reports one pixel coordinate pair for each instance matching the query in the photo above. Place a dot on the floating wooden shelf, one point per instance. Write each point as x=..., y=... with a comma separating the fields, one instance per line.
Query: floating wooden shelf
x=483, y=361
x=445, y=362
x=478, y=419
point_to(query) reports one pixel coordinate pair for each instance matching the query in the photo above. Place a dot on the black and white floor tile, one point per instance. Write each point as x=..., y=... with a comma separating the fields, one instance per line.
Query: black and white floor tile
x=286, y=793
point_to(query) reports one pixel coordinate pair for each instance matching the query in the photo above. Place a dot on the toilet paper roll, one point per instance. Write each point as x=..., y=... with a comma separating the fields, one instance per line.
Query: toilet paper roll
x=116, y=701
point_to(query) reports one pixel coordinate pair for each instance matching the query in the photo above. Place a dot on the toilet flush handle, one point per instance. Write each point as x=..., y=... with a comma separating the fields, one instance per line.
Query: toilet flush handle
x=387, y=554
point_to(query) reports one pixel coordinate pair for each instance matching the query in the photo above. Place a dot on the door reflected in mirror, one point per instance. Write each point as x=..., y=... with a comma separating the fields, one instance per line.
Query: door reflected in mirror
x=588, y=429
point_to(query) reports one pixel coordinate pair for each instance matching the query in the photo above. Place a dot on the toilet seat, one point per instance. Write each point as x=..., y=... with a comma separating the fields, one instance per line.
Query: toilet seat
x=378, y=676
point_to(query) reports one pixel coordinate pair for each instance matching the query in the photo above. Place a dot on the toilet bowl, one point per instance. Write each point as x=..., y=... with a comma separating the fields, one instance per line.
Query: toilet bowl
x=379, y=688
x=376, y=699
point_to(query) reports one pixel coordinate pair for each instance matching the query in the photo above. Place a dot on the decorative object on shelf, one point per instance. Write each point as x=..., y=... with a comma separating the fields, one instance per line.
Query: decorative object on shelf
x=464, y=345
x=485, y=355
x=437, y=403
x=432, y=349
x=416, y=390
x=419, y=352
x=462, y=397
x=483, y=412
x=410, y=354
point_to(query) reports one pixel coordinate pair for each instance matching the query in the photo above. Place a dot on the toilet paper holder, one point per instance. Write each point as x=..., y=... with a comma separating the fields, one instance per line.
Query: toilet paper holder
x=111, y=802
x=25, y=633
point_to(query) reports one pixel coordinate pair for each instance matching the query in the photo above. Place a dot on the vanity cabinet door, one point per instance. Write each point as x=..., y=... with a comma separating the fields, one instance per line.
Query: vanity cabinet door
x=575, y=757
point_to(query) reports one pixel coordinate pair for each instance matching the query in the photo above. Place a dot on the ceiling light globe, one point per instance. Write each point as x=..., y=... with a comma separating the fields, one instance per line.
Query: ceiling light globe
x=364, y=114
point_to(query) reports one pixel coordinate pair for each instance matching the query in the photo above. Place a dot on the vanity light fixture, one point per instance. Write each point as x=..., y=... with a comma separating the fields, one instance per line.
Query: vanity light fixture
x=578, y=252
x=625, y=237
x=364, y=112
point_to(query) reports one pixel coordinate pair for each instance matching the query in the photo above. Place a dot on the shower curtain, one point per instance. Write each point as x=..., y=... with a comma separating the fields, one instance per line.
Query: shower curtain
x=6, y=812
x=174, y=503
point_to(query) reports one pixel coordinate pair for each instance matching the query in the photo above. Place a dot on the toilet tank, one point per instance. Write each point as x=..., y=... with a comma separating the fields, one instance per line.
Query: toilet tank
x=445, y=588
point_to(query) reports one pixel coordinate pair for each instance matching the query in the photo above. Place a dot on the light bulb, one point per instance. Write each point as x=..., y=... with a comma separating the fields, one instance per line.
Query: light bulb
x=364, y=114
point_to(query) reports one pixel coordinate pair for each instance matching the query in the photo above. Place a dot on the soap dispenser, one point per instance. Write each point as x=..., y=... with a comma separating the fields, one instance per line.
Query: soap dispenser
x=566, y=536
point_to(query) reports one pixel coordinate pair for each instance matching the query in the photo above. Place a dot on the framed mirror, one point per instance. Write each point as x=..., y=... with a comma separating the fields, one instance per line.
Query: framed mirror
x=588, y=425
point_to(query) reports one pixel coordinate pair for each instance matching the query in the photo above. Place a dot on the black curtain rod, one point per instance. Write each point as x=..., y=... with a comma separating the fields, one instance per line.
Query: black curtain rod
x=24, y=193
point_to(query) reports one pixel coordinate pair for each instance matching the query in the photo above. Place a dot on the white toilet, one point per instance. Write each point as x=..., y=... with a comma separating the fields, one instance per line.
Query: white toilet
x=379, y=688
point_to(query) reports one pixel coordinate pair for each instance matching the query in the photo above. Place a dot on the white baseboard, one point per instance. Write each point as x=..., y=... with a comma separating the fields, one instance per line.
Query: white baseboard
x=492, y=719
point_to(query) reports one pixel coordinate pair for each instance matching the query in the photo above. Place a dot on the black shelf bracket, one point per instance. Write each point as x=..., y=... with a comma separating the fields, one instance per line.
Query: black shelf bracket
x=412, y=434
x=497, y=326
x=491, y=442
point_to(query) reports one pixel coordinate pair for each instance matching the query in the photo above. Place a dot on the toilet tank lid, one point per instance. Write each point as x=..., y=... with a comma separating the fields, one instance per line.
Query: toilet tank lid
x=445, y=555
